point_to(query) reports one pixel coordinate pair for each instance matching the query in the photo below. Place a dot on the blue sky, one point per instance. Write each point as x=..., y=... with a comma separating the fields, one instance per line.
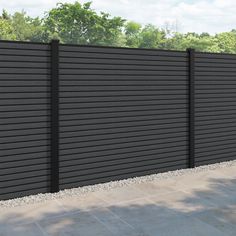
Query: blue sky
x=211, y=16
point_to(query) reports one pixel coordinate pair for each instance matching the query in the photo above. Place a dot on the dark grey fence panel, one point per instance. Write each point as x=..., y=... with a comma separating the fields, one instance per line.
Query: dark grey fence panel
x=110, y=113
x=24, y=119
x=123, y=113
x=215, y=111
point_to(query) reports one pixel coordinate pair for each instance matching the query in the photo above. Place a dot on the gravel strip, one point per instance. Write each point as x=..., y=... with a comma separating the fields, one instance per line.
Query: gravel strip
x=39, y=198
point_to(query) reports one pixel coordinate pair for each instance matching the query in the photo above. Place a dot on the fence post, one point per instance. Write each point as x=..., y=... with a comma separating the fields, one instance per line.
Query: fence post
x=54, y=116
x=191, y=75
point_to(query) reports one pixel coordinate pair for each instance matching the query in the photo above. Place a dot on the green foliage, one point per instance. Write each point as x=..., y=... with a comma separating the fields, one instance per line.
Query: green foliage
x=79, y=24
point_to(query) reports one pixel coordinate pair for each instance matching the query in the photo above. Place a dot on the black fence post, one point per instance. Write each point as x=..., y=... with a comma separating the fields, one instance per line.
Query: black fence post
x=191, y=73
x=54, y=116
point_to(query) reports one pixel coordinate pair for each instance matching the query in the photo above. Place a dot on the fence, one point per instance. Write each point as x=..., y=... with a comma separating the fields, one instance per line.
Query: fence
x=79, y=115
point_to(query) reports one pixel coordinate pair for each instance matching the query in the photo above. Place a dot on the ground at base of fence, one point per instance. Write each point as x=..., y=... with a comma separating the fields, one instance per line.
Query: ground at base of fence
x=201, y=203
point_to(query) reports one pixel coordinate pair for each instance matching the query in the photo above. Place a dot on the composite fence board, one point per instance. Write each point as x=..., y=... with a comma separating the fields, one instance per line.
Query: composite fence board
x=119, y=115
x=215, y=111
x=73, y=115
x=24, y=118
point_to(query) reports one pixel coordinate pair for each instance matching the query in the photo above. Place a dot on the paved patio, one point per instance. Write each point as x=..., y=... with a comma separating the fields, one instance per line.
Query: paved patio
x=194, y=204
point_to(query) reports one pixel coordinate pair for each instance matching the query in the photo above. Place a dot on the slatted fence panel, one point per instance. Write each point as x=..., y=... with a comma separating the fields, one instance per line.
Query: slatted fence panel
x=24, y=119
x=215, y=108
x=123, y=113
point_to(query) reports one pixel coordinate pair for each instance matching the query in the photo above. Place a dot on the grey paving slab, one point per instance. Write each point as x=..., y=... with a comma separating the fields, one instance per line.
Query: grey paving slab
x=183, y=226
x=21, y=230
x=223, y=219
x=142, y=214
x=182, y=203
x=114, y=223
x=31, y=213
x=79, y=224
x=121, y=194
x=196, y=204
x=89, y=202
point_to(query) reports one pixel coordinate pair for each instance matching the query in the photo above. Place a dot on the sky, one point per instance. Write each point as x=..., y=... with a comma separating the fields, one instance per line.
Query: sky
x=212, y=16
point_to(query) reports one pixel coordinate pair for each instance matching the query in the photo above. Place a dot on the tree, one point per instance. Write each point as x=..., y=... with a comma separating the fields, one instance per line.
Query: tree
x=6, y=29
x=152, y=37
x=79, y=24
x=132, y=34
x=227, y=42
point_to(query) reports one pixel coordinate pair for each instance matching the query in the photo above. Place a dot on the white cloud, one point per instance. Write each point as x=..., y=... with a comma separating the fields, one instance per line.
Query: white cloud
x=200, y=16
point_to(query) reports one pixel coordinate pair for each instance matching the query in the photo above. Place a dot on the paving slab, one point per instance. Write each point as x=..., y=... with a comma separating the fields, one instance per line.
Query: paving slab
x=201, y=203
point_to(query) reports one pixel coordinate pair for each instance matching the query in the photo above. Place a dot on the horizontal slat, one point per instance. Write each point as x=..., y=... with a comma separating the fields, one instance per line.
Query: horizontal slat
x=148, y=113
x=215, y=70
x=15, y=108
x=135, y=155
x=24, y=132
x=25, y=169
x=216, y=122
x=116, y=164
x=141, y=153
x=221, y=130
x=215, y=87
x=33, y=143
x=214, y=64
x=21, y=64
x=121, y=137
x=12, y=114
x=216, y=143
x=116, y=77
x=216, y=157
x=17, y=120
x=113, y=82
x=24, y=95
x=138, y=98
x=21, y=182
x=122, y=88
x=225, y=56
x=215, y=112
x=119, y=50
x=215, y=148
x=24, y=77
x=154, y=93
x=143, y=140
x=98, y=173
x=77, y=182
x=25, y=156
x=130, y=108
x=23, y=138
x=214, y=160
x=119, y=128
x=67, y=62
x=24, y=83
x=217, y=151
x=35, y=125
x=118, y=103
x=212, y=73
x=24, y=150
x=125, y=67
x=123, y=151
x=22, y=193
x=114, y=123
x=24, y=71
x=24, y=45
x=212, y=140
x=209, y=108
x=21, y=175
x=127, y=131
x=12, y=51
x=110, y=72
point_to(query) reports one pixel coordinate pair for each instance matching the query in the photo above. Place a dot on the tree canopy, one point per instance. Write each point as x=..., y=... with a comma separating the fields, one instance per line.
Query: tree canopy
x=79, y=24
